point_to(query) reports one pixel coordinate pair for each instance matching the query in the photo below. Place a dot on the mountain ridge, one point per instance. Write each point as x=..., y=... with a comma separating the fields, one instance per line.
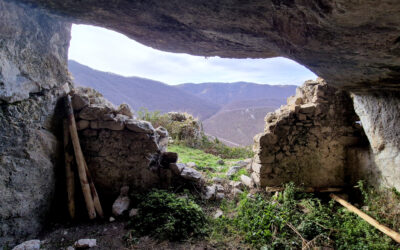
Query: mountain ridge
x=232, y=111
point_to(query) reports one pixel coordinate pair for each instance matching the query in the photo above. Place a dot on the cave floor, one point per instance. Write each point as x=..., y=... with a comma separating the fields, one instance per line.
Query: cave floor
x=109, y=235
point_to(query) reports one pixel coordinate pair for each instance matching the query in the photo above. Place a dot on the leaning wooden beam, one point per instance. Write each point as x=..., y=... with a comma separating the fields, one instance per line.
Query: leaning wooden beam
x=96, y=200
x=80, y=160
x=305, y=189
x=69, y=174
x=384, y=229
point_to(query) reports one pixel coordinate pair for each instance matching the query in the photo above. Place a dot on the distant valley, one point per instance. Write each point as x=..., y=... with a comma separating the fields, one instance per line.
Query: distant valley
x=233, y=112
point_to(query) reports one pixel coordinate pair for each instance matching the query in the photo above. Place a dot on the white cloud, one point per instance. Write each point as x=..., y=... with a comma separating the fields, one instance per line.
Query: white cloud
x=110, y=51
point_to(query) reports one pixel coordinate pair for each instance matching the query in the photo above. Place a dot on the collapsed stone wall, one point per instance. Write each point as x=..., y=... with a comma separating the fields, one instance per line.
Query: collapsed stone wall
x=119, y=150
x=33, y=74
x=306, y=141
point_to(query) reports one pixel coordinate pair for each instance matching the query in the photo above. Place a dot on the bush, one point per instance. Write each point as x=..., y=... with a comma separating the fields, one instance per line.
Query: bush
x=187, y=131
x=164, y=215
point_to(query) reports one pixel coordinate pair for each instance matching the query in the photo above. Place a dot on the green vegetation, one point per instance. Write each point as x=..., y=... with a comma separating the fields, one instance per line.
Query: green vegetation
x=294, y=220
x=166, y=216
x=186, y=131
x=285, y=220
x=206, y=162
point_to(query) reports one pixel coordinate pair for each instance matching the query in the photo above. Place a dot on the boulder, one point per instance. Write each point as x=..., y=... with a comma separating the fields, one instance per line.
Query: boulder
x=94, y=112
x=233, y=170
x=28, y=245
x=177, y=168
x=192, y=165
x=79, y=101
x=247, y=181
x=121, y=204
x=191, y=174
x=139, y=126
x=125, y=109
x=209, y=192
x=163, y=138
x=218, y=213
x=85, y=243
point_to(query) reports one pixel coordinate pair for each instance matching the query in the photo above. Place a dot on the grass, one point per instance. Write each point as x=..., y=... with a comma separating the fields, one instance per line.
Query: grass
x=206, y=162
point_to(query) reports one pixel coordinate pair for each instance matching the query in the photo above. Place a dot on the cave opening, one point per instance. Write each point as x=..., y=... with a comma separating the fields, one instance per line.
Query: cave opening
x=230, y=96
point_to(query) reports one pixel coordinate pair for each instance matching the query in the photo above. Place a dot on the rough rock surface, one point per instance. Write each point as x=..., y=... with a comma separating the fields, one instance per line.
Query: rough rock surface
x=121, y=204
x=28, y=245
x=118, y=150
x=380, y=117
x=33, y=72
x=342, y=41
x=306, y=141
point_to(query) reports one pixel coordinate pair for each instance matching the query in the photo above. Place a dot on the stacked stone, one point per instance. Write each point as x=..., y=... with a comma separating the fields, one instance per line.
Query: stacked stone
x=119, y=149
x=306, y=140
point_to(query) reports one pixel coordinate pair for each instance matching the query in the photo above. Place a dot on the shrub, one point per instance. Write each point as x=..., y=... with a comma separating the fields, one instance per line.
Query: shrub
x=164, y=215
x=187, y=130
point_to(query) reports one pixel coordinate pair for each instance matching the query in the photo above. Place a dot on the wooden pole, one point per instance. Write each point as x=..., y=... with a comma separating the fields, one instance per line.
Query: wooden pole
x=80, y=160
x=96, y=200
x=384, y=229
x=305, y=189
x=69, y=174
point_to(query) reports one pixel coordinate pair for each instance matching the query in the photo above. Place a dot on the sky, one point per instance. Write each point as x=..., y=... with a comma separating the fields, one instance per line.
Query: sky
x=109, y=51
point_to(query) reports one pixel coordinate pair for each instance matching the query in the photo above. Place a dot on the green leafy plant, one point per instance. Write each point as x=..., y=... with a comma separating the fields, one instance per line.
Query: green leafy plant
x=164, y=215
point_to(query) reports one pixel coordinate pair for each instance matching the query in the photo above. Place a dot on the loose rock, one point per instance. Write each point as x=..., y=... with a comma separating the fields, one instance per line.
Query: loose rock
x=133, y=212
x=122, y=203
x=233, y=170
x=139, y=126
x=191, y=174
x=85, y=243
x=218, y=214
x=28, y=245
x=247, y=181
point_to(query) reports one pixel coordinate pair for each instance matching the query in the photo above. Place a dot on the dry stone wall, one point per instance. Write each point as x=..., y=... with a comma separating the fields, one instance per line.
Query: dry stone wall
x=306, y=141
x=119, y=150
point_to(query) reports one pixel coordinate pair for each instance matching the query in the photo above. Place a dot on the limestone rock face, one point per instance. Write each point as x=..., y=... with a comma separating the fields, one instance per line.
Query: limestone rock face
x=306, y=141
x=342, y=41
x=33, y=52
x=380, y=116
x=33, y=74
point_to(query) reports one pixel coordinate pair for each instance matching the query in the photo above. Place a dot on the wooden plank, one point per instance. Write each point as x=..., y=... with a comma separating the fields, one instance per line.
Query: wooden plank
x=96, y=200
x=69, y=174
x=305, y=189
x=80, y=160
x=384, y=229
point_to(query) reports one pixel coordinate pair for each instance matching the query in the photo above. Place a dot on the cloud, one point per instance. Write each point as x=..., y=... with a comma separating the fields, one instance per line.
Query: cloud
x=110, y=51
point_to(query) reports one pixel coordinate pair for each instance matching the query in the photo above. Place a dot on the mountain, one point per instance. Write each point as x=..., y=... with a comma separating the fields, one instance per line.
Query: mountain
x=140, y=92
x=222, y=93
x=243, y=107
x=237, y=127
x=233, y=112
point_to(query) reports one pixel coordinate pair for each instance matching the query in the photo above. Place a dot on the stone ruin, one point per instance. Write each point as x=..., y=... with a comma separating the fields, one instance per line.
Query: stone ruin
x=120, y=150
x=306, y=141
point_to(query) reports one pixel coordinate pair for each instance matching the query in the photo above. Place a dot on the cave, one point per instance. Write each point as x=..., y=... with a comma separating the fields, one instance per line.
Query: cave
x=353, y=48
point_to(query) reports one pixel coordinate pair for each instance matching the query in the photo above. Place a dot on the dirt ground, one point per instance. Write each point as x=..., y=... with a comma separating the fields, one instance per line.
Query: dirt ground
x=109, y=235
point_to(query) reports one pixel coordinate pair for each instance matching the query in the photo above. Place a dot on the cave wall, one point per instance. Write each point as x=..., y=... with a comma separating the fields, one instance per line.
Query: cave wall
x=33, y=73
x=380, y=116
